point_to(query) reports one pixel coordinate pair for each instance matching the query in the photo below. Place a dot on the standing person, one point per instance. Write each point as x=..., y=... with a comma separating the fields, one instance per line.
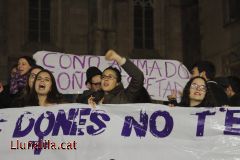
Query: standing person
x=195, y=94
x=93, y=84
x=44, y=91
x=231, y=86
x=23, y=98
x=18, y=81
x=114, y=92
x=207, y=70
x=233, y=90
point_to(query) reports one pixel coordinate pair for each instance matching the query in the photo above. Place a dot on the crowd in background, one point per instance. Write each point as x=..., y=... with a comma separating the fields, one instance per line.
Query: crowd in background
x=31, y=85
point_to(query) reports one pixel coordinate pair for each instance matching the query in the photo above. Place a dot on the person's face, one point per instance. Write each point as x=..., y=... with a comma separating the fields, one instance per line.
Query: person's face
x=96, y=83
x=43, y=84
x=109, y=80
x=23, y=66
x=32, y=76
x=198, y=90
x=13, y=71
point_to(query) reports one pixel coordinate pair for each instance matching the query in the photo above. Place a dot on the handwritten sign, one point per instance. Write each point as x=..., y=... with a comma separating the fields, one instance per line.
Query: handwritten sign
x=129, y=131
x=161, y=76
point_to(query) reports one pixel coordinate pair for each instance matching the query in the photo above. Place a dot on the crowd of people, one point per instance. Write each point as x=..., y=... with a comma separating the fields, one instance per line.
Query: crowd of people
x=31, y=85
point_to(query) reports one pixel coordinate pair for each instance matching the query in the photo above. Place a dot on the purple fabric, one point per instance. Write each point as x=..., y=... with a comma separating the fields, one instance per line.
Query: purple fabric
x=17, y=82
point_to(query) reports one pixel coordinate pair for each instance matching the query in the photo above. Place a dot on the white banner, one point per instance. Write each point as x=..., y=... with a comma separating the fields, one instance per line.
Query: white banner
x=161, y=76
x=119, y=132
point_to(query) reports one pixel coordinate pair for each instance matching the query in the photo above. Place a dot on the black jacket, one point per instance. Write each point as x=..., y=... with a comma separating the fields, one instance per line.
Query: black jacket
x=5, y=98
x=219, y=97
x=83, y=98
x=143, y=96
x=235, y=100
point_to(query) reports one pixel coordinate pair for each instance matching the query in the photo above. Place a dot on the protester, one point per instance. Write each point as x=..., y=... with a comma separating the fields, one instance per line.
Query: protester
x=231, y=85
x=18, y=80
x=207, y=70
x=44, y=91
x=107, y=87
x=233, y=90
x=93, y=84
x=114, y=92
x=195, y=94
x=23, y=98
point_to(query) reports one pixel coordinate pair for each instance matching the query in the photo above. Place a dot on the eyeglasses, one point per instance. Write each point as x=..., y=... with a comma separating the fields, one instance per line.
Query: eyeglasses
x=96, y=84
x=110, y=77
x=199, y=87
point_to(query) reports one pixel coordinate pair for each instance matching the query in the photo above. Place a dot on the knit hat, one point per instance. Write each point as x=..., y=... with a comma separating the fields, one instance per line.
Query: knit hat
x=91, y=72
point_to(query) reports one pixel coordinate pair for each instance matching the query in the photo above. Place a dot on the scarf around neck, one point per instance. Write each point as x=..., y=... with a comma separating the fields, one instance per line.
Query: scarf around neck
x=17, y=82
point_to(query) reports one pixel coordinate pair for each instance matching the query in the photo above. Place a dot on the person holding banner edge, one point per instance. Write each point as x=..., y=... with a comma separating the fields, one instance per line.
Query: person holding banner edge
x=195, y=94
x=207, y=71
x=114, y=92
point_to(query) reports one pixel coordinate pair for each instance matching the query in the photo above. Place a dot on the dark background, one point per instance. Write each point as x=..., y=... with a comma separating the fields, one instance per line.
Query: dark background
x=185, y=30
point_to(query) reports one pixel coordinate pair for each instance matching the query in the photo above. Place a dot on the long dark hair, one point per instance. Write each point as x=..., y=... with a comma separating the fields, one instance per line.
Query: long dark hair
x=29, y=59
x=53, y=95
x=206, y=102
x=23, y=99
x=27, y=89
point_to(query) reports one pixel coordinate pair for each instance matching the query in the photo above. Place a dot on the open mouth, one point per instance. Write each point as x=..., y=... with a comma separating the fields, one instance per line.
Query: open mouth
x=41, y=86
x=105, y=84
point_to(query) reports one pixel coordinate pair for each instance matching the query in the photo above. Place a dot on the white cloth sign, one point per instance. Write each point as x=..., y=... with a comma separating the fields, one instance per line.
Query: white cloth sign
x=161, y=76
x=120, y=132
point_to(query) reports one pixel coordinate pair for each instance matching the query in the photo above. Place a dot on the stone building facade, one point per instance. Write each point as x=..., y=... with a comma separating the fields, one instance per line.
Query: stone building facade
x=186, y=30
x=220, y=34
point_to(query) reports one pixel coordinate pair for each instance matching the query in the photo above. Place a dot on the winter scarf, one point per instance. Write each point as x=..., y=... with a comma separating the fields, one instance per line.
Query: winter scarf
x=17, y=83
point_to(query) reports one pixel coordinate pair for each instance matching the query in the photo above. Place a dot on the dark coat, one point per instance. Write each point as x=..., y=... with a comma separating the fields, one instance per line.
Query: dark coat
x=235, y=100
x=143, y=96
x=5, y=98
x=83, y=98
x=219, y=97
x=19, y=101
x=119, y=95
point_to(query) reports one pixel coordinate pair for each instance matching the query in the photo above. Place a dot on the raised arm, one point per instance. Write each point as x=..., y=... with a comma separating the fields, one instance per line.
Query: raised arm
x=133, y=71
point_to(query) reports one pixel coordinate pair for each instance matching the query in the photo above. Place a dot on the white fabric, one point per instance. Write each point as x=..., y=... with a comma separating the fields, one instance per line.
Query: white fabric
x=181, y=143
x=161, y=76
